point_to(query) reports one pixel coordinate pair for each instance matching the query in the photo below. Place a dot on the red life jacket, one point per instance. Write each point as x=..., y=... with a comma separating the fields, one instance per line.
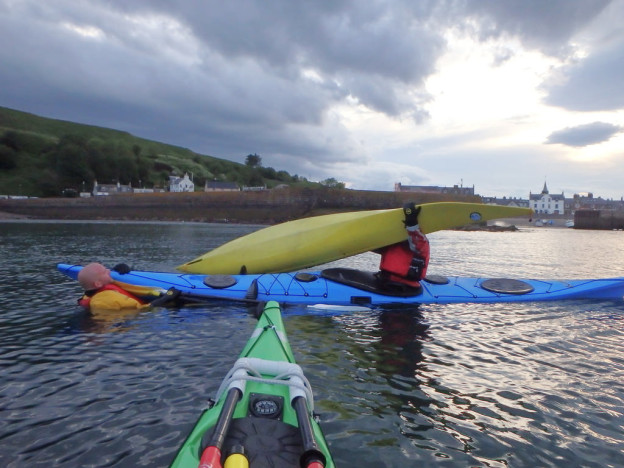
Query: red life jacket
x=396, y=259
x=402, y=261
x=85, y=300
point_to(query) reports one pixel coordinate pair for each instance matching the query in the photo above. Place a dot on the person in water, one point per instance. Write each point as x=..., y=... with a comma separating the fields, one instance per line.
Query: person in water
x=404, y=264
x=101, y=293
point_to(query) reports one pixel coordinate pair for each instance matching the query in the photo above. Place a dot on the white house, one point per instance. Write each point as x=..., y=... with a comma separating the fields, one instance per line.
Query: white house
x=181, y=184
x=546, y=203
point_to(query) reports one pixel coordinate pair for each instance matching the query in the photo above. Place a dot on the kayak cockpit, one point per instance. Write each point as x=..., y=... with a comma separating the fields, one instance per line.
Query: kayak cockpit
x=369, y=281
x=265, y=440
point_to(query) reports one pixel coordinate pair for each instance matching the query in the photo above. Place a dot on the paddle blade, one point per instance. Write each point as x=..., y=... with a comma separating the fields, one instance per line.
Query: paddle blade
x=211, y=458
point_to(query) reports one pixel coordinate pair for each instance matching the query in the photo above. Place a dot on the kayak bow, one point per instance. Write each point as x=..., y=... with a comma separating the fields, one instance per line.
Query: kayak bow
x=263, y=413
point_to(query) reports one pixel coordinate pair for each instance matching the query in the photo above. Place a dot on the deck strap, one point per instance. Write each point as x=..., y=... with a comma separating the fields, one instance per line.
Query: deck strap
x=285, y=373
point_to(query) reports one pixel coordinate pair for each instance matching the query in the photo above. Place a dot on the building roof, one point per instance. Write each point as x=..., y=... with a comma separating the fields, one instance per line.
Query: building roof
x=538, y=196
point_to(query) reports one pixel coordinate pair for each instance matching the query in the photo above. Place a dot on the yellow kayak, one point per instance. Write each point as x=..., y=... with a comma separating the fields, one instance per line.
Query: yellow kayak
x=307, y=242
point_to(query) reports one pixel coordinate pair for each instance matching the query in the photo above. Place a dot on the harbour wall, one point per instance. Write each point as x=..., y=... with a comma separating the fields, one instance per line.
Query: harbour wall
x=599, y=219
x=261, y=207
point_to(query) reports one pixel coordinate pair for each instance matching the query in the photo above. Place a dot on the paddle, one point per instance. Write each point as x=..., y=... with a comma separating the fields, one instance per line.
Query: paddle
x=312, y=456
x=174, y=296
x=211, y=456
x=170, y=296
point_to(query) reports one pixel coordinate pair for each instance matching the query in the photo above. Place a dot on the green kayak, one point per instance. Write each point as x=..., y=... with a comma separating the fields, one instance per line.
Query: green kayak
x=263, y=411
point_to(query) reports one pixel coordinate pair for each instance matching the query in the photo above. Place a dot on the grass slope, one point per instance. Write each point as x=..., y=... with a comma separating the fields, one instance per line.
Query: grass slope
x=42, y=157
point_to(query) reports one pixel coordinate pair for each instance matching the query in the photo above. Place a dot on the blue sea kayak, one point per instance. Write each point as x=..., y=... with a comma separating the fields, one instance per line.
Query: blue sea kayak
x=342, y=286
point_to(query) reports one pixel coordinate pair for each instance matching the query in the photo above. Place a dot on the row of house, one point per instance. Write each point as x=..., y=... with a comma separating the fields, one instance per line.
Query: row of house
x=454, y=190
x=541, y=203
x=176, y=184
x=557, y=204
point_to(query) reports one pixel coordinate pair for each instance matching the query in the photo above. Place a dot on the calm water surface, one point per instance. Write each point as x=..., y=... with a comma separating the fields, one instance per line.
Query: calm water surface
x=443, y=385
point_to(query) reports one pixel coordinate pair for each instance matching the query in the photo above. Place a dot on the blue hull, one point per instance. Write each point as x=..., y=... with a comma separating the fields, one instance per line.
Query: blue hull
x=312, y=288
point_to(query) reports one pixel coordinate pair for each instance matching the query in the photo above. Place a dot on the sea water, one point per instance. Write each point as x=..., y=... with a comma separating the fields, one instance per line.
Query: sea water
x=492, y=385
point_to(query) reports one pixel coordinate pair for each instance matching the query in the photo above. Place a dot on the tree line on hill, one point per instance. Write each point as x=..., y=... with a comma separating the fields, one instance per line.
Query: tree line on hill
x=46, y=157
x=76, y=161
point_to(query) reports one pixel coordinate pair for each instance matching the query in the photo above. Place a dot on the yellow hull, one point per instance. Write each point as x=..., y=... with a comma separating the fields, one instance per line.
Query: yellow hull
x=307, y=242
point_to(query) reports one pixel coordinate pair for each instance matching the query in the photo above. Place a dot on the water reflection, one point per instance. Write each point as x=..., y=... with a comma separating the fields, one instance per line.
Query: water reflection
x=402, y=333
x=106, y=321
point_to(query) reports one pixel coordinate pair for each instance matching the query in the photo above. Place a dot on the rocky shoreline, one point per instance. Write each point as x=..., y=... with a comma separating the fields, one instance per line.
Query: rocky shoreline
x=5, y=215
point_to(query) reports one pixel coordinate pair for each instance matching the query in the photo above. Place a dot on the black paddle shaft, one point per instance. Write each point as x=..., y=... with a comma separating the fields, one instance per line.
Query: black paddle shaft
x=311, y=450
x=225, y=418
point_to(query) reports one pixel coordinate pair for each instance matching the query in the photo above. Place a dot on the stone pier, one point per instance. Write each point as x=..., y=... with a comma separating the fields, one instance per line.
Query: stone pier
x=599, y=219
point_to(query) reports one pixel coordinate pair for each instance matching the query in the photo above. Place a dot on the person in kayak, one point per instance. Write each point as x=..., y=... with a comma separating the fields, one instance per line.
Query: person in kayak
x=404, y=264
x=101, y=293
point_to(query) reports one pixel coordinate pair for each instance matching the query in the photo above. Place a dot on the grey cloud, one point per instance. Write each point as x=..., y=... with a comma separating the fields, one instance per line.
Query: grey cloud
x=584, y=135
x=230, y=78
x=592, y=84
x=248, y=82
x=382, y=38
x=544, y=25
x=348, y=45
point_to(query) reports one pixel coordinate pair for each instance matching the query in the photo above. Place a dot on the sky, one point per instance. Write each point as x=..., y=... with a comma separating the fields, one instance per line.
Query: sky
x=501, y=95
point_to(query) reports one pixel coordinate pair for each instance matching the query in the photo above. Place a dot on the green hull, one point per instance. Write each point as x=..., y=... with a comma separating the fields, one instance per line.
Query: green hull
x=265, y=404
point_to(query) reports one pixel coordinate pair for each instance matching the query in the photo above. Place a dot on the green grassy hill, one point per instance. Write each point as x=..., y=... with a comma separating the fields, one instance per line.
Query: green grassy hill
x=47, y=157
